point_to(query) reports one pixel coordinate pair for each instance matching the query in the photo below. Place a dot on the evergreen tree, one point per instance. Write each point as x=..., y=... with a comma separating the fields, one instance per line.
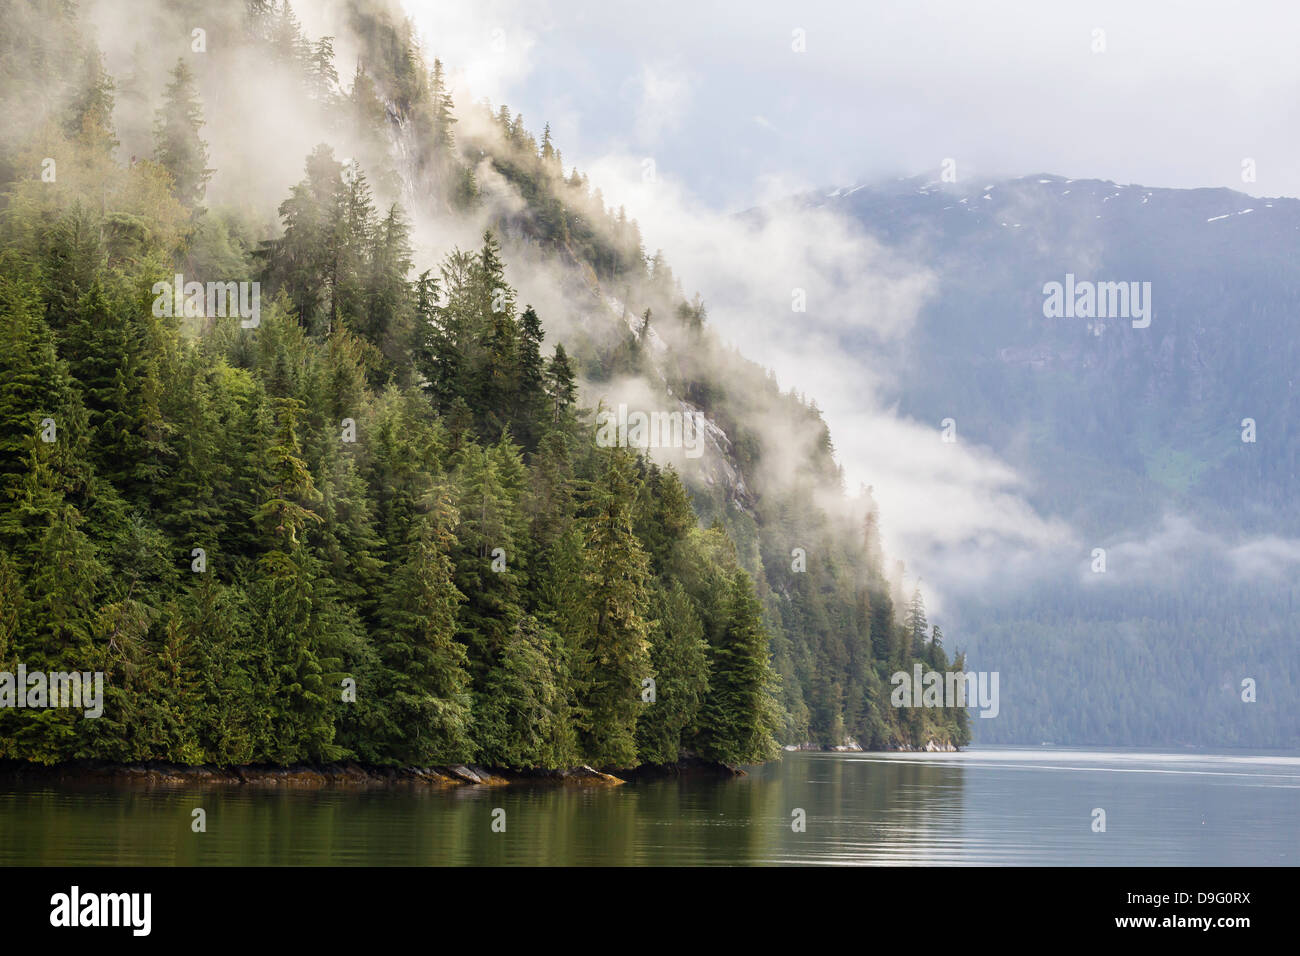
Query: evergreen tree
x=424, y=685
x=561, y=387
x=739, y=715
x=443, y=109
x=291, y=623
x=615, y=657
x=915, y=624
x=523, y=712
x=488, y=570
x=679, y=659
x=323, y=78
x=531, y=401
x=388, y=318
x=90, y=115
x=178, y=146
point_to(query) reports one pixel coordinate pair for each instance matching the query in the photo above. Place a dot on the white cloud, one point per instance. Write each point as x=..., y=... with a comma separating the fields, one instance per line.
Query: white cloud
x=954, y=512
x=664, y=97
x=1180, y=545
x=487, y=46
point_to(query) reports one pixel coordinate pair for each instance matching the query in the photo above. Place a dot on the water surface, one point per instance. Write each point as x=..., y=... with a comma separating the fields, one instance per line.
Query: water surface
x=990, y=806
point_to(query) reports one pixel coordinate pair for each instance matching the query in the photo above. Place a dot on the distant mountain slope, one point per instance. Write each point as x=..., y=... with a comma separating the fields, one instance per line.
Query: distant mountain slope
x=1115, y=423
x=1132, y=434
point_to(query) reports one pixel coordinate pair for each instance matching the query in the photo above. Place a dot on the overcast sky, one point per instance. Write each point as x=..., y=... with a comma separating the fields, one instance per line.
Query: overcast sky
x=717, y=96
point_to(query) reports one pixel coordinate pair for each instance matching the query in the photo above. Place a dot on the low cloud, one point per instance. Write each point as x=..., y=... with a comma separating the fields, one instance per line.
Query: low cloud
x=486, y=46
x=664, y=94
x=953, y=511
x=1180, y=547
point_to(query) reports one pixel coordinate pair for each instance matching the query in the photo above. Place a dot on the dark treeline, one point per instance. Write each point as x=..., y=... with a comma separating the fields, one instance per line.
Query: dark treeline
x=376, y=525
x=1176, y=660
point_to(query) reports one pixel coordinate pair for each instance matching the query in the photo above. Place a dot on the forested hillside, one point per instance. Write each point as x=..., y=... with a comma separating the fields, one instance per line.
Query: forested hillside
x=371, y=521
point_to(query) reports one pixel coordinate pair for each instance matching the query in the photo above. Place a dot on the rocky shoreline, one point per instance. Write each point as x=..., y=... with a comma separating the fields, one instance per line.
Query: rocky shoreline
x=346, y=774
x=853, y=747
x=351, y=774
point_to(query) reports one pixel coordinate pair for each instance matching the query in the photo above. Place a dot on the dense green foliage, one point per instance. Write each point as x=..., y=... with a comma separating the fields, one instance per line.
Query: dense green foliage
x=377, y=524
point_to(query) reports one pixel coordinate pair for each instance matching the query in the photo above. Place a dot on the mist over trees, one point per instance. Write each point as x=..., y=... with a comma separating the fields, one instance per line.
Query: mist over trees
x=377, y=525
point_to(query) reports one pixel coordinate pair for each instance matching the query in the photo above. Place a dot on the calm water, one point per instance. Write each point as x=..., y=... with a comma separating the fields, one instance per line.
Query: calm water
x=995, y=806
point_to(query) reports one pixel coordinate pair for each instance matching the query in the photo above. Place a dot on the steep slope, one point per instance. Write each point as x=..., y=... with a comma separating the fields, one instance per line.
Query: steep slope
x=374, y=518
